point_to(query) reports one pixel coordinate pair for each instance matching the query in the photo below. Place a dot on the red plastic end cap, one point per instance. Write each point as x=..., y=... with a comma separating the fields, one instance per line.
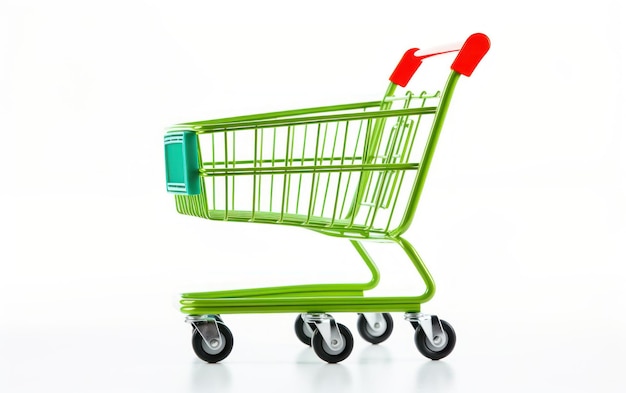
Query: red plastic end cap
x=406, y=68
x=475, y=47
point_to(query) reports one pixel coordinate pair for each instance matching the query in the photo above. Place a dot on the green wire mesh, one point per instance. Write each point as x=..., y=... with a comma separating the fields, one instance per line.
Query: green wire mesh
x=344, y=170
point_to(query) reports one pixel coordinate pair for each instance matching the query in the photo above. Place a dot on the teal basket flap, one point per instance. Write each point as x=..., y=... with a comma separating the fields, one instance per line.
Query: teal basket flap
x=182, y=165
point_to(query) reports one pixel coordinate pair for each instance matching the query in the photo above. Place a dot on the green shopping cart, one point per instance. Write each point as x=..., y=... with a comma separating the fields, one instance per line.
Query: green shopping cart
x=354, y=171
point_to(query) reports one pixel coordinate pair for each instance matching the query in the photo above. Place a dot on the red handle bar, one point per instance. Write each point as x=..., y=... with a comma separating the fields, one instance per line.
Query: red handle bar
x=470, y=54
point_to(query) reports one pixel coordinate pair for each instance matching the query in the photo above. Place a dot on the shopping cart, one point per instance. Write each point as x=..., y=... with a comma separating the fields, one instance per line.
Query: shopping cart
x=353, y=171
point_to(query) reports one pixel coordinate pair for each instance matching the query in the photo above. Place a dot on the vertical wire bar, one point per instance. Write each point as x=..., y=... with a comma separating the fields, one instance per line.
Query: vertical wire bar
x=332, y=160
x=388, y=175
x=417, y=124
x=343, y=155
x=213, y=164
x=413, y=130
x=306, y=128
x=355, y=205
x=272, y=179
x=406, y=157
x=399, y=143
x=402, y=175
x=372, y=143
x=254, y=175
x=226, y=176
x=312, y=196
x=387, y=159
x=289, y=163
x=383, y=175
x=232, y=190
x=260, y=165
x=392, y=180
x=356, y=145
x=372, y=211
x=370, y=206
x=285, y=176
x=406, y=148
x=373, y=174
x=321, y=163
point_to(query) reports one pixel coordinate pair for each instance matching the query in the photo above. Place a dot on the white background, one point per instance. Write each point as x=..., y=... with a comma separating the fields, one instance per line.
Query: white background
x=522, y=221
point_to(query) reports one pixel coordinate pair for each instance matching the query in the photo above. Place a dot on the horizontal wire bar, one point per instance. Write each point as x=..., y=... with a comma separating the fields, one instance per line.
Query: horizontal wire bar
x=252, y=124
x=305, y=111
x=269, y=161
x=287, y=113
x=308, y=169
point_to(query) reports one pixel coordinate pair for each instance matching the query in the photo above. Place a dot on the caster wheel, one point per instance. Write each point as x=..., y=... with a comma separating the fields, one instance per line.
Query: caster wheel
x=378, y=334
x=303, y=330
x=429, y=350
x=333, y=355
x=215, y=351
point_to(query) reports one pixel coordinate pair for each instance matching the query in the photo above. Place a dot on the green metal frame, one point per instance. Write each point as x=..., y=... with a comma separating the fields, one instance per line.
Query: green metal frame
x=346, y=297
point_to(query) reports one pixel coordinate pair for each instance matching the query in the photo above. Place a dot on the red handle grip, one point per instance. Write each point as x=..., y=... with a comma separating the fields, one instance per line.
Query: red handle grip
x=470, y=54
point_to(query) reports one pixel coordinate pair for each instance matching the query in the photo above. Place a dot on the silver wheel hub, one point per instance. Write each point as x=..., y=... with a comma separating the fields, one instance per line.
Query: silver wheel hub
x=376, y=324
x=378, y=329
x=214, y=346
x=438, y=342
x=335, y=348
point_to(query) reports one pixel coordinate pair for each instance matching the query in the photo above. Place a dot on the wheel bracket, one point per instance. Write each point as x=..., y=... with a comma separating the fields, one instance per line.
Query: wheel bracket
x=431, y=325
x=327, y=326
x=206, y=325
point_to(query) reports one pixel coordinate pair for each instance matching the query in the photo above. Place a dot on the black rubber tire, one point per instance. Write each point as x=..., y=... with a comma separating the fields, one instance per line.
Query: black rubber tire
x=366, y=334
x=299, y=327
x=423, y=345
x=317, y=342
x=197, y=343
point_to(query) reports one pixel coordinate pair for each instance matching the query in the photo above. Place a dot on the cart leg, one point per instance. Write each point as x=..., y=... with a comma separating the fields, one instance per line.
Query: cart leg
x=369, y=262
x=434, y=338
x=417, y=261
